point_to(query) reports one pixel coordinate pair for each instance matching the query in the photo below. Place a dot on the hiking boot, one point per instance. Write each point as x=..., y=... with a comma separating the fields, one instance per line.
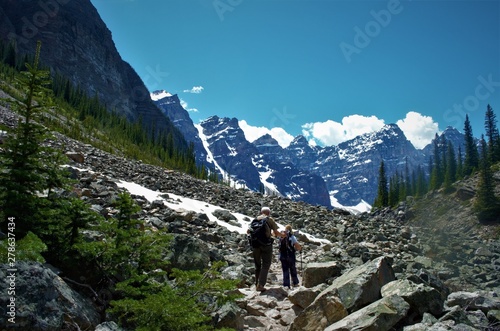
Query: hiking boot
x=296, y=285
x=261, y=288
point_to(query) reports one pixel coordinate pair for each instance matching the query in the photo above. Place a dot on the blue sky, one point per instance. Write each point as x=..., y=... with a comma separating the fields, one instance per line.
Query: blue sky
x=328, y=69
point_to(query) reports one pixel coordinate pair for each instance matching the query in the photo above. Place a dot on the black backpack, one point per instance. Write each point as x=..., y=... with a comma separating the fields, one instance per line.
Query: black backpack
x=258, y=233
x=286, y=247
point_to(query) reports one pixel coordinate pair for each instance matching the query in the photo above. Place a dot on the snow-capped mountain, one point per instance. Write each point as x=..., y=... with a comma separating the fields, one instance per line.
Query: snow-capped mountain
x=171, y=106
x=344, y=176
x=258, y=166
x=452, y=135
x=351, y=168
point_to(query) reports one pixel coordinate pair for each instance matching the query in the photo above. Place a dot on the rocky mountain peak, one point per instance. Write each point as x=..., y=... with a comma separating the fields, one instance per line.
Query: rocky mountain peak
x=159, y=94
x=300, y=140
x=268, y=145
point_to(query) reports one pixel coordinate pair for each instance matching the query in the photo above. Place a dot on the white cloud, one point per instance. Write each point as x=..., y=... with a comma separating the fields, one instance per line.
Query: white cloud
x=253, y=133
x=184, y=105
x=332, y=133
x=419, y=129
x=195, y=90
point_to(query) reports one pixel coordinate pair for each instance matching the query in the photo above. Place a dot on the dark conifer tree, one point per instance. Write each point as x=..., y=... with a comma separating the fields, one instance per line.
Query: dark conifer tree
x=471, y=161
x=460, y=170
x=10, y=57
x=28, y=167
x=437, y=175
x=382, y=199
x=394, y=190
x=451, y=167
x=487, y=205
x=408, y=189
x=490, y=125
x=421, y=183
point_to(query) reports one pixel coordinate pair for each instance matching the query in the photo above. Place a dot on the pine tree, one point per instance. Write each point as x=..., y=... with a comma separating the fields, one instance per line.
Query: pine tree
x=451, y=167
x=421, y=182
x=490, y=125
x=460, y=170
x=471, y=161
x=382, y=199
x=28, y=167
x=408, y=191
x=487, y=205
x=10, y=55
x=437, y=174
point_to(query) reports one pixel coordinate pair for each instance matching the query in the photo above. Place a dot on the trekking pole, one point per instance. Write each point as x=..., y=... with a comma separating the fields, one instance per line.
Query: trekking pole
x=301, y=268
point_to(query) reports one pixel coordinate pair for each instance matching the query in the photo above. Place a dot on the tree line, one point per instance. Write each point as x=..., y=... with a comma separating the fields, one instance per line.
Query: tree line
x=85, y=118
x=445, y=168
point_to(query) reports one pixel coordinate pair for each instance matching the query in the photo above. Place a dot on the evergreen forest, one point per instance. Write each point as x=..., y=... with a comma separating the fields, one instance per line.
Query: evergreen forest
x=445, y=168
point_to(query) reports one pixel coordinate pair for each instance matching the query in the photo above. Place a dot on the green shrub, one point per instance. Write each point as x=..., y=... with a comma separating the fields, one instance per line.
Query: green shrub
x=184, y=303
x=29, y=248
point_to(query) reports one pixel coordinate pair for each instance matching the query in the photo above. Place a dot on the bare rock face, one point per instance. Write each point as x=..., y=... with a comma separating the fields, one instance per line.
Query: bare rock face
x=43, y=301
x=77, y=44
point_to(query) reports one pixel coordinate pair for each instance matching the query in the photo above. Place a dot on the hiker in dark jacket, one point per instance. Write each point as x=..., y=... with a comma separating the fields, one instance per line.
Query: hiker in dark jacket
x=263, y=253
x=288, y=258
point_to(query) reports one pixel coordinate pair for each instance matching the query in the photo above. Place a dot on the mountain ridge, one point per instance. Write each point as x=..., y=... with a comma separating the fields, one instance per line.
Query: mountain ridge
x=349, y=170
x=77, y=44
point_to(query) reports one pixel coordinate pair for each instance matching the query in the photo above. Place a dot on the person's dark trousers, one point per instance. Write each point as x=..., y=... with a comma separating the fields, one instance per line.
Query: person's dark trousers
x=288, y=265
x=262, y=257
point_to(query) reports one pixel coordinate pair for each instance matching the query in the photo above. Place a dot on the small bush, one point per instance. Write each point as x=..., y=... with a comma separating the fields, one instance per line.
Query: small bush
x=29, y=248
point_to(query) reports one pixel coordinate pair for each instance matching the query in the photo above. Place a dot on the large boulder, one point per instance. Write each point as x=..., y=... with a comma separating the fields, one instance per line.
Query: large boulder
x=422, y=298
x=230, y=316
x=318, y=273
x=325, y=310
x=482, y=300
x=380, y=315
x=361, y=286
x=303, y=297
x=189, y=253
x=37, y=299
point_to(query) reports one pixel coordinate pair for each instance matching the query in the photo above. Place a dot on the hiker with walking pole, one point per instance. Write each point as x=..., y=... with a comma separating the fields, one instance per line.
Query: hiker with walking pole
x=288, y=246
x=262, y=245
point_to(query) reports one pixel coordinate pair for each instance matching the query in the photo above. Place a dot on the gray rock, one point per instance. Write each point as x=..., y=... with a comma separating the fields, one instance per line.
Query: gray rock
x=380, y=315
x=303, y=297
x=188, y=253
x=361, y=286
x=325, y=310
x=43, y=301
x=224, y=215
x=108, y=326
x=422, y=298
x=483, y=300
x=230, y=316
x=77, y=157
x=456, y=314
x=318, y=273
